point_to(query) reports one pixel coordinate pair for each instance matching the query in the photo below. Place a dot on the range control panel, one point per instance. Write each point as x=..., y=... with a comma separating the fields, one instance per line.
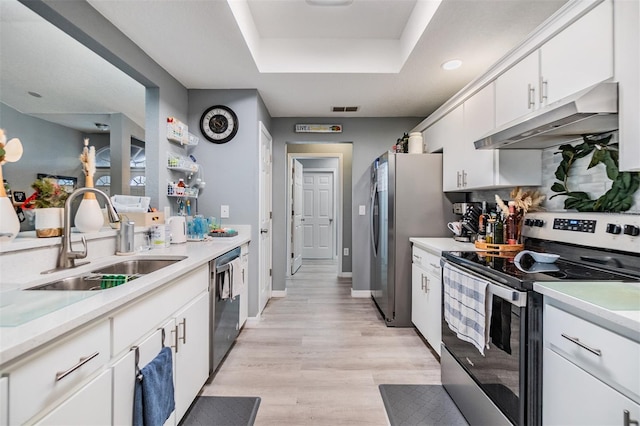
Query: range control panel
x=579, y=225
x=616, y=231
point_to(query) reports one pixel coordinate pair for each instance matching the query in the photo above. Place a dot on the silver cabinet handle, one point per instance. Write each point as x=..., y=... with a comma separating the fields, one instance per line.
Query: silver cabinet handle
x=464, y=179
x=582, y=345
x=531, y=95
x=62, y=374
x=184, y=330
x=433, y=265
x=627, y=419
x=458, y=180
x=543, y=89
x=175, y=337
x=417, y=258
x=422, y=282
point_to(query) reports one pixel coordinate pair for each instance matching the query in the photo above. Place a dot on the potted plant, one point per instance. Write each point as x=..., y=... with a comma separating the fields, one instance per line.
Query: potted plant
x=49, y=204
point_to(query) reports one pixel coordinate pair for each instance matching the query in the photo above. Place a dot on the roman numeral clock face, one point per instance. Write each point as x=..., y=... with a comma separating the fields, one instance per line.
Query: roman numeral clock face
x=219, y=124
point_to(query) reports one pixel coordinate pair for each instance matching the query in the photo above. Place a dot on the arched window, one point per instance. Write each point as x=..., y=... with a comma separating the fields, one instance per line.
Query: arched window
x=138, y=181
x=103, y=181
x=138, y=158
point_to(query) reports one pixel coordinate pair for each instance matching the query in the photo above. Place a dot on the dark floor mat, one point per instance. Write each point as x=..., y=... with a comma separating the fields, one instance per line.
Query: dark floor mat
x=222, y=411
x=413, y=405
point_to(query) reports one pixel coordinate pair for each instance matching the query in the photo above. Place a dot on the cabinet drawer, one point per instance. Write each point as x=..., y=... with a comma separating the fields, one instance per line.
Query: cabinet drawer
x=608, y=356
x=427, y=261
x=38, y=382
x=133, y=322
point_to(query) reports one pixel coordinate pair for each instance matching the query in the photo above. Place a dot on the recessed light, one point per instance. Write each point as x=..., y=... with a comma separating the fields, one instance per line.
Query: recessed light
x=102, y=126
x=35, y=94
x=452, y=64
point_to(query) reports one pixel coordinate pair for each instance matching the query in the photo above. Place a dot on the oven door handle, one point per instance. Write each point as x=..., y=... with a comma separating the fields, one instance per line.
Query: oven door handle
x=513, y=296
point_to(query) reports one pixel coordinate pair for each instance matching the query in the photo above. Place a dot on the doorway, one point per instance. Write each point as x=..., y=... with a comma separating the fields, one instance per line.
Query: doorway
x=314, y=219
x=266, y=218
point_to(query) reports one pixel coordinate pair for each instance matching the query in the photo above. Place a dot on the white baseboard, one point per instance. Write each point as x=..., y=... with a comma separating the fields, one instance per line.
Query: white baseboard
x=279, y=293
x=345, y=274
x=360, y=293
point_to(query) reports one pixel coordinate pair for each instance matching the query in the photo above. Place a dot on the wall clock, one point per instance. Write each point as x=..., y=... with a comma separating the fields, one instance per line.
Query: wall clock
x=219, y=124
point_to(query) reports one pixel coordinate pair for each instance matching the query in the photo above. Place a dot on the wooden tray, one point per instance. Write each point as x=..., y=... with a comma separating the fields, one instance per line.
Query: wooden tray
x=499, y=247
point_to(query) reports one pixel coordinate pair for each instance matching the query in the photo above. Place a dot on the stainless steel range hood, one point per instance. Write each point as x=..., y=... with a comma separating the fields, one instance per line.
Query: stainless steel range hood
x=591, y=111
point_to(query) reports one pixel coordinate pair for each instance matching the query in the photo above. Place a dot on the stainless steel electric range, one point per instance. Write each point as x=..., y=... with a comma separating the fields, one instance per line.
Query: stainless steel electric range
x=498, y=380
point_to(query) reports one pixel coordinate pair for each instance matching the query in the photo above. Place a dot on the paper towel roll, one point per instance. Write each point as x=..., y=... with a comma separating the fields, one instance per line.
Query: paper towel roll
x=415, y=143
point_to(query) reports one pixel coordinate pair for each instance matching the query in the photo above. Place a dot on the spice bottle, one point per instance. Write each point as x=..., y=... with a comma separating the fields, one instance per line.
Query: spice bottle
x=511, y=228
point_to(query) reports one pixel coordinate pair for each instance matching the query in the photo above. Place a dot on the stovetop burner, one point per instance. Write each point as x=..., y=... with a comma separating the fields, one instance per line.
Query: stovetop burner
x=522, y=275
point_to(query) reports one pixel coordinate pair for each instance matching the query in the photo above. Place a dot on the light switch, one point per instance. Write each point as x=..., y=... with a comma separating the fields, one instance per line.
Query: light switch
x=224, y=212
x=362, y=210
x=345, y=251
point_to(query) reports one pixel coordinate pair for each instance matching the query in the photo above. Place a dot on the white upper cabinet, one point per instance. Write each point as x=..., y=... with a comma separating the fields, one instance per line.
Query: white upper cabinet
x=445, y=131
x=466, y=168
x=516, y=90
x=577, y=58
x=627, y=69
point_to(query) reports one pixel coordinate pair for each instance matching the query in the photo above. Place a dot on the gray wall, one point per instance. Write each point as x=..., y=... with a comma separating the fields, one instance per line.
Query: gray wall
x=370, y=137
x=232, y=170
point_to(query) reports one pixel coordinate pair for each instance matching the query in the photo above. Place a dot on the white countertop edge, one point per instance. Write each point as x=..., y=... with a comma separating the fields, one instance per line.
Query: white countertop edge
x=19, y=341
x=437, y=245
x=623, y=321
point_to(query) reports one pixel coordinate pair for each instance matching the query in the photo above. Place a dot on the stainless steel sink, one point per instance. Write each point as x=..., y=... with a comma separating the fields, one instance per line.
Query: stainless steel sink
x=137, y=266
x=80, y=283
x=111, y=275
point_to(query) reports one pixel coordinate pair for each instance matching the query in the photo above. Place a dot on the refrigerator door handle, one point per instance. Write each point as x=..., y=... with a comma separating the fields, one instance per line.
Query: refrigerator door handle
x=372, y=231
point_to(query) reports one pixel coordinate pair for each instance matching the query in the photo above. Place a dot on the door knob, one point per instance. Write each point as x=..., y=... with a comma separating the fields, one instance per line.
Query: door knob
x=264, y=231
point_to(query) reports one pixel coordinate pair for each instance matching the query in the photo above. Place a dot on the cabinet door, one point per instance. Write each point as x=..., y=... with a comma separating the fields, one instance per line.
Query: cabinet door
x=4, y=401
x=590, y=41
x=627, y=73
x=433, y=296
x=91, y=405
x=244, y=295
x=479, y=119
x=192, y=353
x=571, y=396
x=124, y=371
x=516, y=90
x=451, y=165
x=418, y=300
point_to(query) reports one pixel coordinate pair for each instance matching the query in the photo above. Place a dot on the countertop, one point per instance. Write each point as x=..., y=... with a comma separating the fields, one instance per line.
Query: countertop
x=438, y=245
x=39, y=317
x=615, y=303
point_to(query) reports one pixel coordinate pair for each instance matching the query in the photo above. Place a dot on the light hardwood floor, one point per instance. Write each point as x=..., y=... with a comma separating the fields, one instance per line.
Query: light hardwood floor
x=317, y=356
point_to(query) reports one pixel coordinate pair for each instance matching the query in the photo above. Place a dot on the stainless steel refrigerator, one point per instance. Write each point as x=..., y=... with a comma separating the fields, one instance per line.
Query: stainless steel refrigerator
x=406, y=201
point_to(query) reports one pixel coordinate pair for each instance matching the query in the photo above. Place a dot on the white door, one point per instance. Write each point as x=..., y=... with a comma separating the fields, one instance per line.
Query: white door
x=318, y=215
x=265, y=141
x=297, y=233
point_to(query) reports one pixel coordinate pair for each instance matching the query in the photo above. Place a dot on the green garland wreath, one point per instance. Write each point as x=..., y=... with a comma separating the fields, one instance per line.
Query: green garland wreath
x=617, y=199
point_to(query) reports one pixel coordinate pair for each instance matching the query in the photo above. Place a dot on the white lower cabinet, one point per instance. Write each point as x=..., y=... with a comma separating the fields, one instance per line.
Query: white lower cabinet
x=49, y=376
x=91, y=405
x=4, y=401
x=591, y=374
x=191, y=352
x=244, y=295
x=426, y=293
x=574, y=397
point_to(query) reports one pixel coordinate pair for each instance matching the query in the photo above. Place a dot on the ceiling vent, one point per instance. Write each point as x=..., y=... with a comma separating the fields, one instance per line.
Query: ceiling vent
x=344, y=109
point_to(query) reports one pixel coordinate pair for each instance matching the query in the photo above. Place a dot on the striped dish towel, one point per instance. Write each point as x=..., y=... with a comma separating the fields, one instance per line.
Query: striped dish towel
x=465, y=308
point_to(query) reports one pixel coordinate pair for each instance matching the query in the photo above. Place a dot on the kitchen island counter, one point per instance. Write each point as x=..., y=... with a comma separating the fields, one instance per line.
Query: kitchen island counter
x=31, y=319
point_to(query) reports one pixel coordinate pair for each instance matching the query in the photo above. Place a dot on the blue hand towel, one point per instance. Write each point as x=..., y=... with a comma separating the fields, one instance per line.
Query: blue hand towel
x=154, y=401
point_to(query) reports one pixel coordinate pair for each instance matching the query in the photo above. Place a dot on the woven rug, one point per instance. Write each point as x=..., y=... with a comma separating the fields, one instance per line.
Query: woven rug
x=222, y=411
x=413, y=405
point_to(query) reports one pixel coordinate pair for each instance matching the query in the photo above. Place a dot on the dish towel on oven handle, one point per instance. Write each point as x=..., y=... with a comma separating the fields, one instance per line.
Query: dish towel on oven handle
x=466, y=310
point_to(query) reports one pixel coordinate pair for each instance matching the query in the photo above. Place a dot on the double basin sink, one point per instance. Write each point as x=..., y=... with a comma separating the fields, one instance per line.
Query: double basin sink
x=110, y=275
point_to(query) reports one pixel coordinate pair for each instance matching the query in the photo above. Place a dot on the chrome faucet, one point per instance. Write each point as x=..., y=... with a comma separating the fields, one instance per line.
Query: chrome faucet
x=67, y=257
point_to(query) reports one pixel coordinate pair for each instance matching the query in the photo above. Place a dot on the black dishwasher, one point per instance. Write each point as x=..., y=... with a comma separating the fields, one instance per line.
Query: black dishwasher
x=224, y=314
